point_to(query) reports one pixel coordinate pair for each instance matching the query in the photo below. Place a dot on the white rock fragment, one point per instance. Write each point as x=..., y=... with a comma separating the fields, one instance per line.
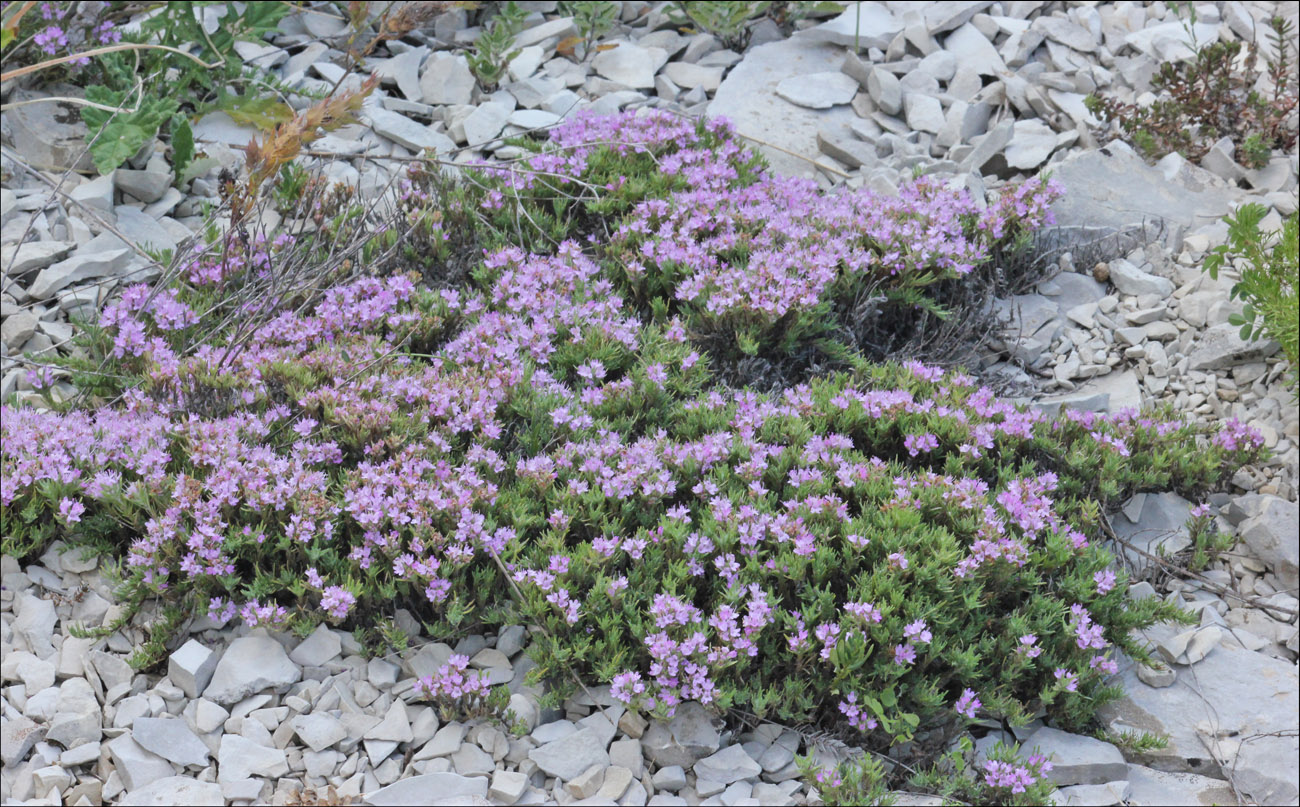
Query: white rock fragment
x=1032, y=142
x=191, y=667
x=570, y=755
x=868, y=25
x=175, y=791
x=250, y=665
x=630, y=65
x=170, y=739
x=818, y=90
x=973, y=51
x=321, y=646
x=447, y=80
x=135, y=765
x=239, y=758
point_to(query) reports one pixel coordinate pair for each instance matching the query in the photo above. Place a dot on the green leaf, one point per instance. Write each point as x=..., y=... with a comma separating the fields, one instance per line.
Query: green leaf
x=263, y=112
x=197, y=168
x=182, y=145
x=115, y=136
x=260, y=19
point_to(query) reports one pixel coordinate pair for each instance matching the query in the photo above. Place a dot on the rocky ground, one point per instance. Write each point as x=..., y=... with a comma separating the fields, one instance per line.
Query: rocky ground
x=975, y=91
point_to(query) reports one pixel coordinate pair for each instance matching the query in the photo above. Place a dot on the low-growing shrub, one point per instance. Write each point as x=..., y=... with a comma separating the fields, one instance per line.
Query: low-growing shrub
x=493, y=51
x=759, y=268
x=593, y=18
x=1215, y=94
x=1269, y=280
x=893, y=548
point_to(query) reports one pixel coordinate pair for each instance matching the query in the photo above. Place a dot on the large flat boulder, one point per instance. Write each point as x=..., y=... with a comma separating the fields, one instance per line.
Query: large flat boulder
x=1233, y=713
x=748, y=98
x=1113, y=187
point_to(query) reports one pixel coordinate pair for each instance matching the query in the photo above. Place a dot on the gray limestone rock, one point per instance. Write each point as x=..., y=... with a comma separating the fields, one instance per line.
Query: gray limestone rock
x=218, y=127
x=1059, y=29
x=869, y=25
x=238, y=758
x=689, y=76
x=1158, y=524
x=447, y=80
x=1222, y=346
x=136, y=766
x=321, y=646
x=485, y=123
x=17, y=329
x=630, y=65
x=35, y=622
x=924, y=112
x=171, y=739
x=175, y=791
x=507, y=786
x=1272, y=535
x=1078, y=759
x=570, y=755
x=401, y=129
x=250, y=665
x=191, y=667
x=884, y=89
x=988, y=147
x=19, y=735
x=19, y=259
x=974, y=52
x=731, y=764
x=690, y=735
x=1235, y=694
x=419, y=790
x=747, y=96
x=83, y=265
x=1113, y=187
x=319, y=730
x=818, y=90
x=1032, y=142
x=1148, y=786
x=949, y=14
x=142, y=229
x=147, y=186
x=51, y=135
x=1131, y=280
x=557, y=29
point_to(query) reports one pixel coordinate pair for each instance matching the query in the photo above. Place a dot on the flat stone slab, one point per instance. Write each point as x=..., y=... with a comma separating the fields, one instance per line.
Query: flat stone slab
x=429, y=787
x=748, y=98
x=250, y=665
x=175, y=790
x=1114, y=187
x=1223, y=718
x=1078, y=759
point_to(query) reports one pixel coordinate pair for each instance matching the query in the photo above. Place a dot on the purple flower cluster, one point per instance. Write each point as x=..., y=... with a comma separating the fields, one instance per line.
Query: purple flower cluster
x=1016, y=777
x=778, y=245
x=453, y=682
x=65, y=32
x=854, y=714
x=967, y=704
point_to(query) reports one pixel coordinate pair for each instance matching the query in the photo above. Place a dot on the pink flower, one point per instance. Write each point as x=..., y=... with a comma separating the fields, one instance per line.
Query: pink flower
x=1029, y=646
x=1070, y=680
x=70, y=510
x=904, y=655
x=967, y=704
x=1105, y=580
